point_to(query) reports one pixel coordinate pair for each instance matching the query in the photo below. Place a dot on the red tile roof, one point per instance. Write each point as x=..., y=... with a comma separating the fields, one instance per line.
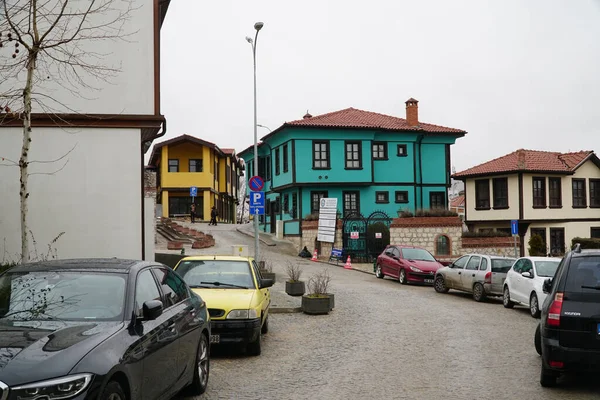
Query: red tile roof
x=458, y=201
x=529, y=161
x=353, y=118
x=228, y=151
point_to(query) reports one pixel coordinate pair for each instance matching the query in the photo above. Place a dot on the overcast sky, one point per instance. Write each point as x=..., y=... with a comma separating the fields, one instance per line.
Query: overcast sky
x=512, y=73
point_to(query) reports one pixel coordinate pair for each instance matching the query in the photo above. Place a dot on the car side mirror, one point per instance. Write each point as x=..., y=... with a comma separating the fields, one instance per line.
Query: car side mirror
x=266, y=283
x=152, y=309
x=527, y=274
x=547, y=286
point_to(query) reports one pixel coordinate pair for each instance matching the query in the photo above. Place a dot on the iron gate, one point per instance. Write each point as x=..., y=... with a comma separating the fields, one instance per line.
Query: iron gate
x=355, y=244
x=378, y=233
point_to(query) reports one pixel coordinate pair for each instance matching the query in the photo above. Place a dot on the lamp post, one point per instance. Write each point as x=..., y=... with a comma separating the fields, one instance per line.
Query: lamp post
x=257, y=26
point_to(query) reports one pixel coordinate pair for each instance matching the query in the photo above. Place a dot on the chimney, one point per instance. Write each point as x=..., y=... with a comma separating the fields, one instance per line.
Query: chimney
x=307, y=115
x=521, y=159
x=412, y=112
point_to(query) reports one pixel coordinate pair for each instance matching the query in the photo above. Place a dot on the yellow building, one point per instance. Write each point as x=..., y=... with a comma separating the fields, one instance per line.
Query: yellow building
x=185, y=162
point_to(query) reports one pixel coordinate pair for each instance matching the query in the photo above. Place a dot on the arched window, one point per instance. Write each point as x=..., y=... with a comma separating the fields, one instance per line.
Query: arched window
x=442, y=245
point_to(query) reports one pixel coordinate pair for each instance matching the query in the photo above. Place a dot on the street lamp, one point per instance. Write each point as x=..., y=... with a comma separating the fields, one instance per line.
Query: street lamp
x=263, y=126
x=257, y=26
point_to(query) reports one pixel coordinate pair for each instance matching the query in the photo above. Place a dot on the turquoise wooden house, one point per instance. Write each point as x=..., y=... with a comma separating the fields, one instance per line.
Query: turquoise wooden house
x=370, y=162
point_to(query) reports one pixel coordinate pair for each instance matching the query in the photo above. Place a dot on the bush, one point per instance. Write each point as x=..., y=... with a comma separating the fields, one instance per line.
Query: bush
x=435, y=212
x=294, y=272
x=537, y=247
x=586, y=243
x=485, y=234
x=312, y=217
x=318, y=284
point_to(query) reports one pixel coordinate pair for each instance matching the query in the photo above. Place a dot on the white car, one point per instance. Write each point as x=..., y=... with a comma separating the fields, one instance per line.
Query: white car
x=523, y=284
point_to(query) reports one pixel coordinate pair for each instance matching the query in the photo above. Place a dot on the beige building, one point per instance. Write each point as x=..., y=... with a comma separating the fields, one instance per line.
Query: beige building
x=554, y=195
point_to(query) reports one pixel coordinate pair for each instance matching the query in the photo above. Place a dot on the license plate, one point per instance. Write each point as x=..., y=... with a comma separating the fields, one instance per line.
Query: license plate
x=215, y=338
x=428, y=280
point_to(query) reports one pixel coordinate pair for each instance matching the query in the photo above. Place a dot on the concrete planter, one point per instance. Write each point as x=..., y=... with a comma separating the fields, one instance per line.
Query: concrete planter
x=295, y=288
x=316, y=305
x=331, y=301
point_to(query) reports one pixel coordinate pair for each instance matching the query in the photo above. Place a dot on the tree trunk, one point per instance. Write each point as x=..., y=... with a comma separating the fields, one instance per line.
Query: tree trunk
x=24, y=160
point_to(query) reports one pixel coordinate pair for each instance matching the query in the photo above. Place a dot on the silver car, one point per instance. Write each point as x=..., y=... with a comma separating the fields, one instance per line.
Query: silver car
x=478, y=274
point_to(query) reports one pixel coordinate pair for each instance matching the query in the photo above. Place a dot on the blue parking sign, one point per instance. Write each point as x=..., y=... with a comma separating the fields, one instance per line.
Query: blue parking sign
x=193, y=191
x=514, y=227
x=257, y=203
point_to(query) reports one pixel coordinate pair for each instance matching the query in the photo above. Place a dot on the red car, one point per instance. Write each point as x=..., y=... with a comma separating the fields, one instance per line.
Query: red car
x=407, y=264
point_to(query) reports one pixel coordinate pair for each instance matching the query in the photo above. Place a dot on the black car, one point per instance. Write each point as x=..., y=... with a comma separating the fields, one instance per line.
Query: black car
x=568, y=336
x=100, y=329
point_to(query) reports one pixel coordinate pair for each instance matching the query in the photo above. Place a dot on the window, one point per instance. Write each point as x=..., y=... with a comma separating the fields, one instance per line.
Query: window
x=179, y=205
x=555, y=192
x=540, y=232
x=351, y=203
x=595, y=193
x=216, y=174
x=518, y=267
x=285, y=158
x=173, y=165
x=382, y=197
x=437, y=200
x=579, y=200
x=353, y=155
x=500, y=193
x=402, y=150
x=460, y=263
x=320, y=155
x=595, y=233
x=379, y=151
x=173, y=287
x=315, y=201
x=527, y=266
x=277, y=155
x=484, y=264
x=539, y=192
x=557, y=241
x=294, y=208
x=473, y=263
x=482, y=194
x=504, y=230
x=286, y=202
x=145, y=290
x=195, y=165
x=442, y=246
x=402, y=196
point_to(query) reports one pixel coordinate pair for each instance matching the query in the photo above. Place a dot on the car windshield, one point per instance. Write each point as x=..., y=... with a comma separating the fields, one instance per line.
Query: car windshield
x=417, y=255
x=502, y=265
x=216, y=273
x=584, y=274
x=62, y=295
x=546, y=268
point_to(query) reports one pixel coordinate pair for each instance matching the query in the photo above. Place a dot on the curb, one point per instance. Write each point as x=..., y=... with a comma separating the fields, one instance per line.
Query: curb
x=341, y=266
x=259, y=238
x=284, y=310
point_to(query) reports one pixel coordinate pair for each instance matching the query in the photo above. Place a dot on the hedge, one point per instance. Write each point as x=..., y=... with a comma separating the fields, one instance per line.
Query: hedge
x=586, y=243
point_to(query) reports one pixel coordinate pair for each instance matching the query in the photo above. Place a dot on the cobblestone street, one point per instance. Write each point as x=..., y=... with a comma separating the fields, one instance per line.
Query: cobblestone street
x=388, y=341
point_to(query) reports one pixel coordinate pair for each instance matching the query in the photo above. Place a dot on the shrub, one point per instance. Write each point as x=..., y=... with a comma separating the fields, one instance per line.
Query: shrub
x=586, y=243
x=485, y=234
x=294, y=272
x=312, y=217
x=435, y=212
x=318, y=284
x=537, y=247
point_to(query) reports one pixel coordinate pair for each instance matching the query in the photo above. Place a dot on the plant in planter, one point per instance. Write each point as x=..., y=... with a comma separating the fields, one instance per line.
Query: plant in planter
x=266, y=269
x=294, y=286
x=319, y=300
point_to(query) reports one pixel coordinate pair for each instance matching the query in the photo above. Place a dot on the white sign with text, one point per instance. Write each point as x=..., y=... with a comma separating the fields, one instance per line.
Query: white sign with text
x=327, y=219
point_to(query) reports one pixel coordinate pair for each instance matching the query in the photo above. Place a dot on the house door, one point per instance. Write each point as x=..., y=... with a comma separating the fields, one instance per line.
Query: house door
x=273, y=216
x=557, y=241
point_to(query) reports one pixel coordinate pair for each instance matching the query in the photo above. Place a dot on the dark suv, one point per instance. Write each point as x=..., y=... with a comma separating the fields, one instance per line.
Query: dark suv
x=568, y=336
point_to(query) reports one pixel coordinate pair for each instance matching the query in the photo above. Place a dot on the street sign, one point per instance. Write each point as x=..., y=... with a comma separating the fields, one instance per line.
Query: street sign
x=354, y=235
x=514, y=227
x=327, y=219
x=256, y=183
x=257, y=203
x=193, y=191
x=257, y=210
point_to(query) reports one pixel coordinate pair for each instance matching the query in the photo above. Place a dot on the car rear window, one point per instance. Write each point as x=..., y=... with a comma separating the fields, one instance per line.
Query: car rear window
x=502, y=265
x=583, y=275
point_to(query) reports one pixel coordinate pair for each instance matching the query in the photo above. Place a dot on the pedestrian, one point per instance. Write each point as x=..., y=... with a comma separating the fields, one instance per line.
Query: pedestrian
x=213, y=216
x=193, y=213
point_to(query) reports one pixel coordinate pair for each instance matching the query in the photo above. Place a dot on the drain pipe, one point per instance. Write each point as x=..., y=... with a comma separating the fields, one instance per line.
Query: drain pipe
x=419, y=140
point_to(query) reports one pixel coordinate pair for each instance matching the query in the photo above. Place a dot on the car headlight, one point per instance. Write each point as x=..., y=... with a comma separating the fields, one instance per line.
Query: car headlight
x=242, y=314
x=415, y=269
x=54, y=389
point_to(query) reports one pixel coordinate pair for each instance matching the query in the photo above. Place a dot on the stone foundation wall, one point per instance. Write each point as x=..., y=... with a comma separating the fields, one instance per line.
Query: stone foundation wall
x=496, y=246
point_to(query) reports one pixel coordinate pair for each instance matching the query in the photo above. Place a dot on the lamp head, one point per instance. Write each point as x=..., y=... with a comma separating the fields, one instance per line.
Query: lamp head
x=258, y=26
x=249, y=39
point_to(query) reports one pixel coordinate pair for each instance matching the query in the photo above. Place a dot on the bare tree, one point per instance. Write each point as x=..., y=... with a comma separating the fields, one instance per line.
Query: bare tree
x=51, y=40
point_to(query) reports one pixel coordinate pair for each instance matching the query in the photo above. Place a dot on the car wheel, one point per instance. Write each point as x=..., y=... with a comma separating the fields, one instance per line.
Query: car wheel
x=402, y=277
x=537, y=340
x=534, y=305
x=265, y=326
x=378, y=272
x=113, y=391
x=478, y=292
x=506, y=298
x=547, y=377
x=440, y=285
x=253, y=348
x=202, y=370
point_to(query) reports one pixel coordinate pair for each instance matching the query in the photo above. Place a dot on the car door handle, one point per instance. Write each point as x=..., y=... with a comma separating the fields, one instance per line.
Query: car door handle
x=171, y=327
x=459, y=272
x=473, y=274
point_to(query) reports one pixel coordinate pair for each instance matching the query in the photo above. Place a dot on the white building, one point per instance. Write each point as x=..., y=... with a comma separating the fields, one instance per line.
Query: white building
x=554, y=195
x=94, y=193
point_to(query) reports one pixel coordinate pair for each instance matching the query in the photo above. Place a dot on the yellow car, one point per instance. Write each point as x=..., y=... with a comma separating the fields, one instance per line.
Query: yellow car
x=236, y=295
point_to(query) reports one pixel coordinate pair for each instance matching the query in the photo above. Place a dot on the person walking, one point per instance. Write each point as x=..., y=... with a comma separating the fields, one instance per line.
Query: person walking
x=193, y=213
x=213, y=216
